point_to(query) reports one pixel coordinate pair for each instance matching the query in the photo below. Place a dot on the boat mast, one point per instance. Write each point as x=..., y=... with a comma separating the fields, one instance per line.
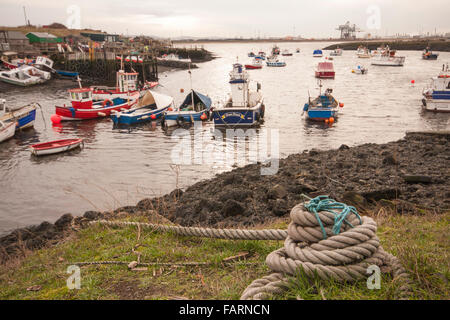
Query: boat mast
x=192, y=91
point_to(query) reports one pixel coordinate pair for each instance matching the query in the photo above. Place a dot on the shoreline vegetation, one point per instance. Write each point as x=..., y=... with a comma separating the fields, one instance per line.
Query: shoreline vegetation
x=419, y=45
x=402, y=184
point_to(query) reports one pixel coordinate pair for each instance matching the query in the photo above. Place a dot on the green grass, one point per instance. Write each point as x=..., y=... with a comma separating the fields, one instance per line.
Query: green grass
x=420, y=242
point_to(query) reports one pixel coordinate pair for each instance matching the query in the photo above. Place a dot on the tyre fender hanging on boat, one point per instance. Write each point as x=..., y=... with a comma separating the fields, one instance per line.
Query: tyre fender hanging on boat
x=424, y=102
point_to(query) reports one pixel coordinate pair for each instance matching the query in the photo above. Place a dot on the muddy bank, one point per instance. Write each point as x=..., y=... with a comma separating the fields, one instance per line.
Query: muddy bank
x=435, y=45
x=409, y=175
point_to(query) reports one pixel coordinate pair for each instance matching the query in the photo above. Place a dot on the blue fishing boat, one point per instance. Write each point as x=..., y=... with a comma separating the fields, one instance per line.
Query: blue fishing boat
x=150, y=107
x=195, y=107
x=244, y=107
x=436, y=97
x=69, y=74
x=317, y=53
x=323, y=108
x=24, y=117
x=273, y=61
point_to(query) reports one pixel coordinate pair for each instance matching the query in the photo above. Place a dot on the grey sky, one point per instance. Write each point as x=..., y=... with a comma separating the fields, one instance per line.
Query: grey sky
x=174, y=18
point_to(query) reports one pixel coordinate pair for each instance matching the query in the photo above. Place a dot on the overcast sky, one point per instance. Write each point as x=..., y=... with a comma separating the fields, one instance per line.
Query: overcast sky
x=229, y=18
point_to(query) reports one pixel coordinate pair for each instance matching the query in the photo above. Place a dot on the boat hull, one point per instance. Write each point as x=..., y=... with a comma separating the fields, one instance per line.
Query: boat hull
x=325, y=74
x=173, y=118
x=54, y=147
x=251, y=67
x=389, y=61
x=7, y=132
x=239, y=117
x=321, y=114
x=70, y=113
x=23, y=117
x=436, y=105
x=276, y=64
x=120, y=118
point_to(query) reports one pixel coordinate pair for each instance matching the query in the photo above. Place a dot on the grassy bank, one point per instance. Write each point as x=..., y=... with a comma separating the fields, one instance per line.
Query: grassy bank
x=420, y=242
x=435, y=45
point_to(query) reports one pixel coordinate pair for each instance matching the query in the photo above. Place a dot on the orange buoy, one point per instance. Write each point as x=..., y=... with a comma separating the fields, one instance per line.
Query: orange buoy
x=181, y=90
x=55, y=119
x=170, y=109
x=331, y=120
x=326, y=120
x=203, y=116
x=153, y=116
x=413, y=81
x=105, y=102
x=341, y=105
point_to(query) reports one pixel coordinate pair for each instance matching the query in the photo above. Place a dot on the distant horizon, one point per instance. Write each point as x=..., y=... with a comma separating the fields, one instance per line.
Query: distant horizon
x=250, y=19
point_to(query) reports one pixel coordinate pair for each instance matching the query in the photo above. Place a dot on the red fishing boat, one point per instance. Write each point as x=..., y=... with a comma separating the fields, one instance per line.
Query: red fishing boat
x=256, y=64
x=56, y=146
x=83, y=107
x=325, y=70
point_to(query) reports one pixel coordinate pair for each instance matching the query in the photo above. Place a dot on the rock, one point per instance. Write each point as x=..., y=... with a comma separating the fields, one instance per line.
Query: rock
x=132, y=265
x=91, y=215
x=34, y=288
x=417, y=179
x=64, y=221
x=177, y=193
x=280, y=208
x=233, y=208
x=390, y=159
x=344, y=147
x=279, y=191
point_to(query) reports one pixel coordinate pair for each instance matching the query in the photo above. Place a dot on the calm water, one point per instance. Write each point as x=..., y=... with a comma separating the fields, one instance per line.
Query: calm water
x=120, y=167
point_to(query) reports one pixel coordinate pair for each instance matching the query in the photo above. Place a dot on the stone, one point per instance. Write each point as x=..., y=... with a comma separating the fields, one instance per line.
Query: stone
x=233, y=208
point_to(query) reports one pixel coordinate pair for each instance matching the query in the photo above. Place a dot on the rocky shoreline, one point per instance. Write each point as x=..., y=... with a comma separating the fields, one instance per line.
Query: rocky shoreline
x=409, y=176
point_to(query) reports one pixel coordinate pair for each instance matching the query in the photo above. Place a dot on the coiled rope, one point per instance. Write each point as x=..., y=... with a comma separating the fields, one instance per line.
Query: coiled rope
x=328, y=244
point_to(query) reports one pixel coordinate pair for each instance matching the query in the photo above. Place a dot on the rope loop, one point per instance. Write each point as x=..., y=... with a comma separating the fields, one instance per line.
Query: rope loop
x=325, y=203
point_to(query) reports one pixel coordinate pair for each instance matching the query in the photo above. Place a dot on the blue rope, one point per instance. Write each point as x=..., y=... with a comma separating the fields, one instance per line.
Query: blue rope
x=324, y=203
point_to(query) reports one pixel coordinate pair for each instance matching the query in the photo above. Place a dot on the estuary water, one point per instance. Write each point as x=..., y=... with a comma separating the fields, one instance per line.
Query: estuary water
x=120, y=167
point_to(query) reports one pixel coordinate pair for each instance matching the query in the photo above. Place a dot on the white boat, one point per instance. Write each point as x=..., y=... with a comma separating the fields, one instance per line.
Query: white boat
x=173, y=57
x=336, y=52
x=388, y=59
x=360, y=70
x=436, y=97
x=23, y=116
x=24, y=76
x=7, y=130
x=363, y=52
x=273, y=61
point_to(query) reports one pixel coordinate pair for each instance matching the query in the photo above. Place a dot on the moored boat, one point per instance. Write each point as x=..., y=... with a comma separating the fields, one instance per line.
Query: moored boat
x=429, y=55
x=336, y=52
x=273, y=61
x=7, y=130
x=275, y=50
x=24, y=76
x=317, y=53
x=23, y=117
x=363, y=52
x=83, y=107
x=436, y=97
x=126, y=87
x=149, y=107
x=57, y=146
x=360, y=70
x=323, y=108
x=244, y=107
x=68, y=74
x=325, y=70
x=195, y=107
x=255, y=64
x=388, y=58
x=286, y=52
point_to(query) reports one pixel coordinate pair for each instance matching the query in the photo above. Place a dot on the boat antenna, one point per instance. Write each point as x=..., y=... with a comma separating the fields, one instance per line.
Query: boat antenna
x=79, y=81
x=192, y=91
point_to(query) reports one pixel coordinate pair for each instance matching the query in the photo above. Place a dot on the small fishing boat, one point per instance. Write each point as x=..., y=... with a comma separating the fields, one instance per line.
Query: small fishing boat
x=323, y=108
x=255, y=64
x=23, y=116
x=150, y=107
x=436, y=97
x=24, y=76
x=7, y=130
x=297, y=50
x=388, y=58
x=275, y=50
x=251, y=54
x=56, y=146
x=195, y=107
x=173, y=57
x=44, y=64
x=274, y=62
x=261, y=55
x=286, y=52
x=10, y=60
x=68, y=74
x=244, y=107
x=83, y=107
x=360, y=70
x=325, y=70
x=429, y=55
x=363, y=52
x=336, y=52
x=317, y=53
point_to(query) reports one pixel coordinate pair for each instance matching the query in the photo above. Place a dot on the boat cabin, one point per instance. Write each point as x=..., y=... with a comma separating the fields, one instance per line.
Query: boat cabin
x=81, y=98
x=44, y=61
x=127, y=81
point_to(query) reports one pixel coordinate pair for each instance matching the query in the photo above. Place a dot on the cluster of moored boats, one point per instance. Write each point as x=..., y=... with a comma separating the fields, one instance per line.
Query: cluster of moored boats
x=128, y=103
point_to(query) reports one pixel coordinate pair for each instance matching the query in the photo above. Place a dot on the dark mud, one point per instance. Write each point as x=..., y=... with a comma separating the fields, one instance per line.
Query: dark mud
x=409, y=176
